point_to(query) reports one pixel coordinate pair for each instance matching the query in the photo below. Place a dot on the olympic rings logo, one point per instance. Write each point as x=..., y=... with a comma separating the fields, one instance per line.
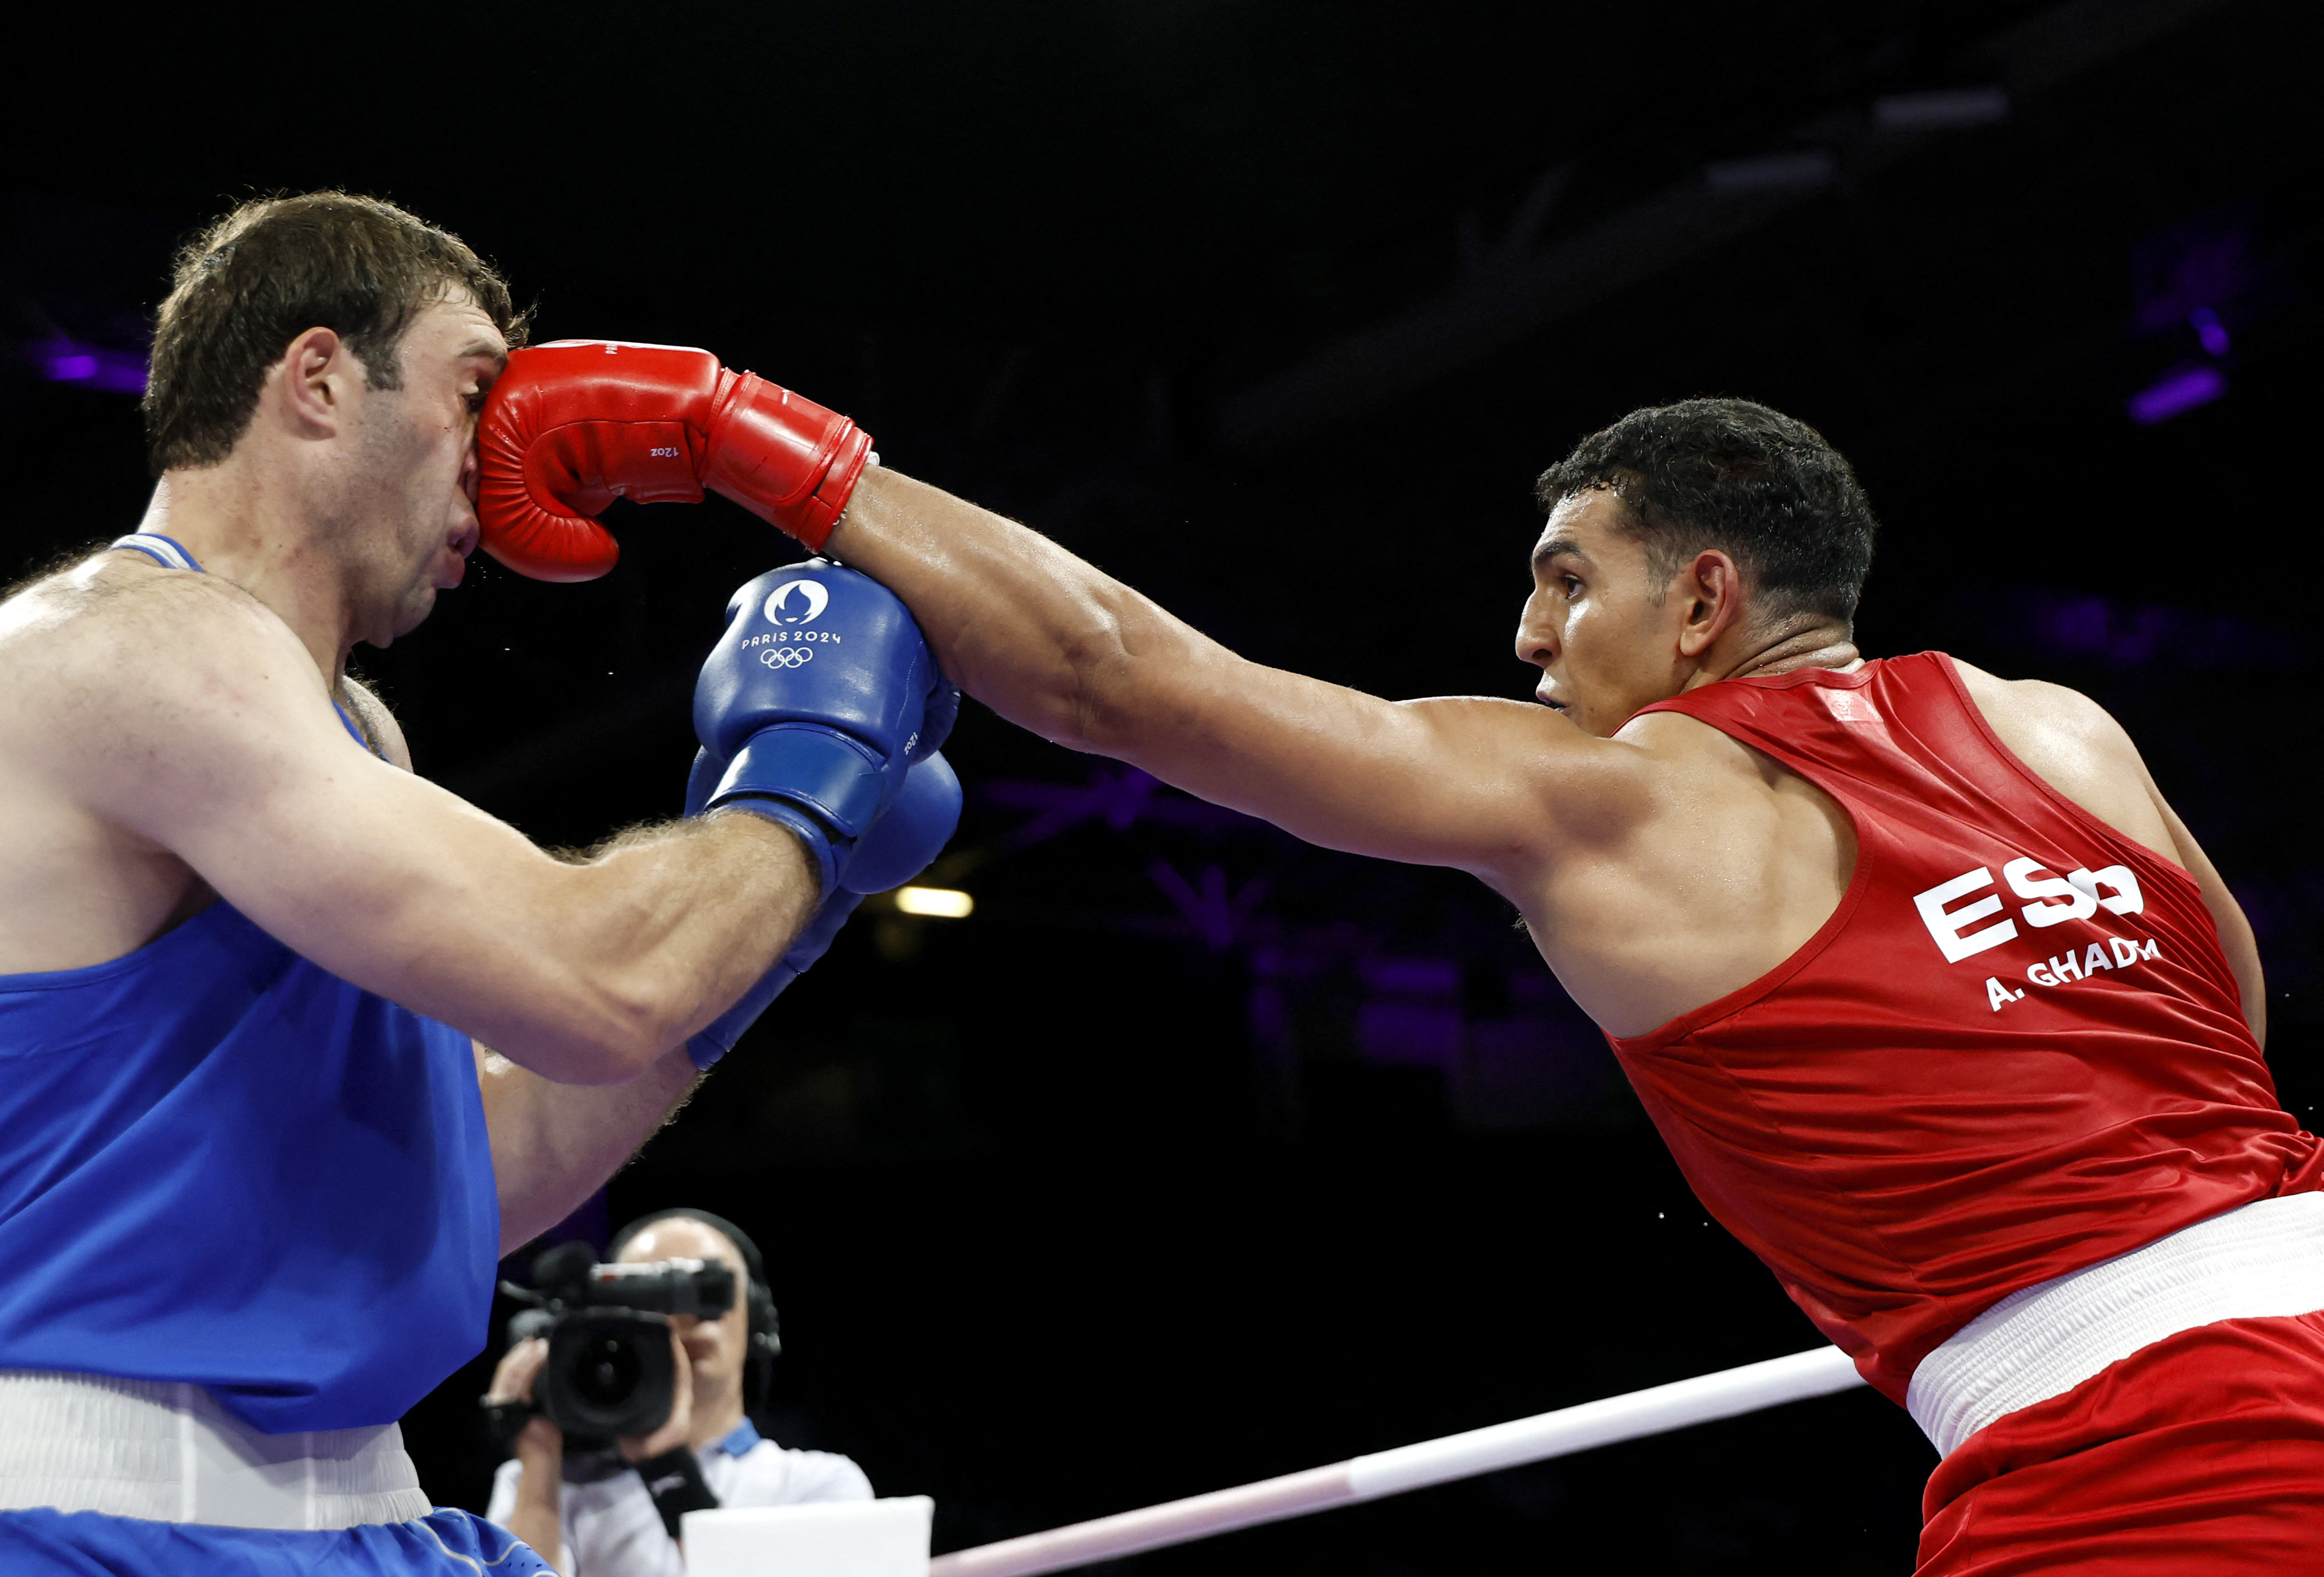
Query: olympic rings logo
x=786, y=656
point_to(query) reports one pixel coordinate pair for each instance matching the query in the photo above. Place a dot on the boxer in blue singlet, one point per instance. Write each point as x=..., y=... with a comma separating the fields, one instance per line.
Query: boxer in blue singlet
x=256, y=1165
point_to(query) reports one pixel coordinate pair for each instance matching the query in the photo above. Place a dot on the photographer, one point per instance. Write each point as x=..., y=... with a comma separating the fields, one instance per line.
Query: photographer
x=616, y=1515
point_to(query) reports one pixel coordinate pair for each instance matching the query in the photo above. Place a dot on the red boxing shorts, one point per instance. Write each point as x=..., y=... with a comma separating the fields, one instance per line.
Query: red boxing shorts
x=2198, y=1455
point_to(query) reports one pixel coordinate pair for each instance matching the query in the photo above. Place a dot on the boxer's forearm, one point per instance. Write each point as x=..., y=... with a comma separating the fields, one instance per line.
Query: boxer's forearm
x=668, y=928
x=1042, y=637
x=592, y=973
x=554, y=1145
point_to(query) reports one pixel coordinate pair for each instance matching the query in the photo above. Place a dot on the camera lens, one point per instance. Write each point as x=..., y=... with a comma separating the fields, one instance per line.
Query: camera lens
x=611, y=1372
x=608, y=1372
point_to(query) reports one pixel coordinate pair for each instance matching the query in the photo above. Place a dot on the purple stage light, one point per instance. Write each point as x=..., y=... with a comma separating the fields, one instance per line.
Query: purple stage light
x=1413, y=1017
x=2194, y=268
x=118, y=371
x=2130, y=636
x=2210, y=330
x=2178, y=392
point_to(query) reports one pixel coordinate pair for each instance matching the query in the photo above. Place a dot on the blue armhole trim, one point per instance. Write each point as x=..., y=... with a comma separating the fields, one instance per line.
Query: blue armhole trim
x=354, y=732
x=170, y=554
x=164, y=550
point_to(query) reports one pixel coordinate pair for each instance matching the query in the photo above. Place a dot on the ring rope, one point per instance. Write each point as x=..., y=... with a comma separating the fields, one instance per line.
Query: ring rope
x=1654, y=1411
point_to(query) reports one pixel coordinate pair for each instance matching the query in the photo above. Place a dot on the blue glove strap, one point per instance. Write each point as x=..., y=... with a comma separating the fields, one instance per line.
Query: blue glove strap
x=811, y=943
x=811, y=832
x=842, y=781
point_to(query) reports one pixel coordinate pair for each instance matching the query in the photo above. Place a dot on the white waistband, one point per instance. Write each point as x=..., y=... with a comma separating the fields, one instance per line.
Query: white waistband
x=2256, y=1261
x=169, y=1452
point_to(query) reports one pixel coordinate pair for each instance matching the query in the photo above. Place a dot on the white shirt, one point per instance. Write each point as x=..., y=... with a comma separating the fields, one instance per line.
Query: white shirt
x=610, y=1526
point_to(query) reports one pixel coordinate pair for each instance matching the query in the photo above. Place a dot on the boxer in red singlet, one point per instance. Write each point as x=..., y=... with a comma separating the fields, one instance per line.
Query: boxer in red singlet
x=1937, y=1003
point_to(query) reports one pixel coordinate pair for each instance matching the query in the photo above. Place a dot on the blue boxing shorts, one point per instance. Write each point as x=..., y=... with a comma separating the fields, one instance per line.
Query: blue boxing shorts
x=87, y=1543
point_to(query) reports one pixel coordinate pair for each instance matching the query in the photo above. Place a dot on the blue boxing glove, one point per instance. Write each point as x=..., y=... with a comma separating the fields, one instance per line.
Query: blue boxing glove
x=815, y=702
x=899, y=846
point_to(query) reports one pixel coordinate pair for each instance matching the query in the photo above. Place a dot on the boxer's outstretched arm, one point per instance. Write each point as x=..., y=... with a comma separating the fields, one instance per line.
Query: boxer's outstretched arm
x=1053, y=644
x=1490, y=787
x=187, y=714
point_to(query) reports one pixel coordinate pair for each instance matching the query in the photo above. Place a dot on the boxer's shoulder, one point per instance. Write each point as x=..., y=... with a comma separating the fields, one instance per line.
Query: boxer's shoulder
x=109, y=644
x=2031, y=710
x=114, y=595
x=2077, y=747
x=1675, y=762
x=78, y=883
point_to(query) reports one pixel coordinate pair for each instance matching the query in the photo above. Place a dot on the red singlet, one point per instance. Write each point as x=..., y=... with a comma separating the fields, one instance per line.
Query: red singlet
x=2014, y=1050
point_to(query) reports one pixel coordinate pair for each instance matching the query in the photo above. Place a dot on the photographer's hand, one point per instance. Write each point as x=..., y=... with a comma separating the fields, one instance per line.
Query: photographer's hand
x=677, y=1429
x=539, y=1449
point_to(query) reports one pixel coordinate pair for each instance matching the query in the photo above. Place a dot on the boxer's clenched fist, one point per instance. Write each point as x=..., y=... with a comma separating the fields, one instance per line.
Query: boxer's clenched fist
x=813, y=704
x=571, y=426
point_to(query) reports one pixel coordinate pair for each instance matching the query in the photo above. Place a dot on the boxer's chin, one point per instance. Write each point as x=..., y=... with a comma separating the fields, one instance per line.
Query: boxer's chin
x=410, y=613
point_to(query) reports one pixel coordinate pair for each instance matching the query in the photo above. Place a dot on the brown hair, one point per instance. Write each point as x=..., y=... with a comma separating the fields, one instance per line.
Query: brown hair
x=270, y=271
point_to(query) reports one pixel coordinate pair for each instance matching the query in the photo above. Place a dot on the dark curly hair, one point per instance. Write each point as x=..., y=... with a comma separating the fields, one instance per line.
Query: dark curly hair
x=1731, y=475
x=274, y=267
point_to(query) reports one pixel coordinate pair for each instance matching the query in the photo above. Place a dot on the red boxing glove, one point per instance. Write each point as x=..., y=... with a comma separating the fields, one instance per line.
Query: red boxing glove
x=572, y=426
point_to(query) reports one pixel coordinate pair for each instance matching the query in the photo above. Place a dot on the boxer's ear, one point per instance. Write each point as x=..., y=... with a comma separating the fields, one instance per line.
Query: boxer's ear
x=311, y=383
x=1708, y=597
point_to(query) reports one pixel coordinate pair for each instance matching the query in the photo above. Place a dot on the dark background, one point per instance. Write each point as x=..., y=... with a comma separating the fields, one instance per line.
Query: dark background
x=1195, y=1155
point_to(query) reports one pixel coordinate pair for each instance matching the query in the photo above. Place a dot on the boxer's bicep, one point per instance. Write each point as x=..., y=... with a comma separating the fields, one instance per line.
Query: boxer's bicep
x=1482, y=784
x=407, y=891
x=225, y=750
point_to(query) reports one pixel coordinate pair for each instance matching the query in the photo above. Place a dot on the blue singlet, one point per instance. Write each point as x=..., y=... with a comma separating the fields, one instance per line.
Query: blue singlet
x=220, y=1163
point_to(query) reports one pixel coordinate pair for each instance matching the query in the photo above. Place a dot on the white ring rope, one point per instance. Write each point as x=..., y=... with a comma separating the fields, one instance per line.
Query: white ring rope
x=1654, y=1411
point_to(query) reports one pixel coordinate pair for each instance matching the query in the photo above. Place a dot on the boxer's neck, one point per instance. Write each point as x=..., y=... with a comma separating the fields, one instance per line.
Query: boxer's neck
x=1765, y=654
x=250, y=523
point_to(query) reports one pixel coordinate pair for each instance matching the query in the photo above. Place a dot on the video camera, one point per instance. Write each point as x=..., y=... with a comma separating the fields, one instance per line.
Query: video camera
x=610, y=1371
